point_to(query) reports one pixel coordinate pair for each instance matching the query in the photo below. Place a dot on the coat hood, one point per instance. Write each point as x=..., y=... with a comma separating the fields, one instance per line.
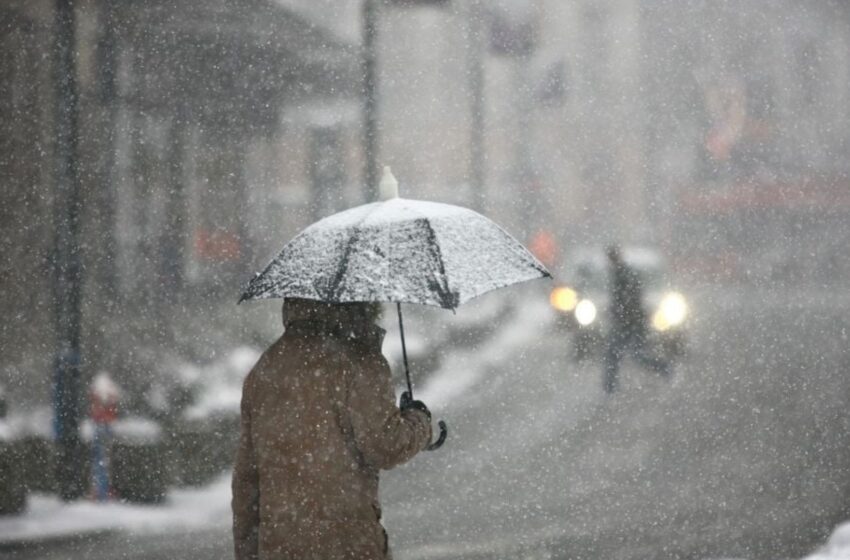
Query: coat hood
x=347, y=320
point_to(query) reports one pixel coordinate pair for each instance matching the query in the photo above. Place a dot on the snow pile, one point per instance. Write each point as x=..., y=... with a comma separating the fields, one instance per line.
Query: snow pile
x=11, y=429
x=837, y=547
x=464, y=369
x=49, y=518
x=134, y=430
x=36, y=422
x=104, y=388
x=137, y=430
x=219, y=385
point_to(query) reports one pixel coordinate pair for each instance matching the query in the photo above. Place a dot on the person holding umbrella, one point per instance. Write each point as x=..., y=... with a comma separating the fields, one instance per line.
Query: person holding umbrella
x=319, y=421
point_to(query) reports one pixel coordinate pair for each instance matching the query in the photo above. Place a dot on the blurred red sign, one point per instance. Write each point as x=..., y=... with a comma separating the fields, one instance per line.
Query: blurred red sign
x=217, y=245
x=544, y=247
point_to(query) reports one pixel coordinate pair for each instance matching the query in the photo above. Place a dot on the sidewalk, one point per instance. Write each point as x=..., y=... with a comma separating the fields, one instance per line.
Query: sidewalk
x=49, y=519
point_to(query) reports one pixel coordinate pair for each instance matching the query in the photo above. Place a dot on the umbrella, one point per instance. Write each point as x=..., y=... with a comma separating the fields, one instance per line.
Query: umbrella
x=397, y=250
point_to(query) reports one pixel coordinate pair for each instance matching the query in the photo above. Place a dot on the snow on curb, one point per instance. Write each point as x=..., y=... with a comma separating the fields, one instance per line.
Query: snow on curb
x=220, y=383
x=837, y=547
x=464, y=368
x=48, y=518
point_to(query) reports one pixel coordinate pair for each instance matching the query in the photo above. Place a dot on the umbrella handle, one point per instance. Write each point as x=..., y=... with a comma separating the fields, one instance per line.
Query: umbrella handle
x=444, y=431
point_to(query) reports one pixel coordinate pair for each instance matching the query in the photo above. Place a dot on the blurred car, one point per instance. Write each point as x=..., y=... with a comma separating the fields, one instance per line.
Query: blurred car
x=582, y=294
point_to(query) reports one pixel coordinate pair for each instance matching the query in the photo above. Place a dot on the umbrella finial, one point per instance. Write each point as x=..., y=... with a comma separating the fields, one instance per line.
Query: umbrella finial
x=388, y=187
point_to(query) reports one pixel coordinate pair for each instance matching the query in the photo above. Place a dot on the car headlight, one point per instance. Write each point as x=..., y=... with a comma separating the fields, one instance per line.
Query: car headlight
x=671, y=312
x=563, y=299
x=585, y=312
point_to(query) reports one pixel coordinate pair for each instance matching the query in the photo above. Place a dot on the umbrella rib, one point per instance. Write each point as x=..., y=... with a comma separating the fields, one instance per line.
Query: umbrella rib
x=334, y=286
x=448, y=299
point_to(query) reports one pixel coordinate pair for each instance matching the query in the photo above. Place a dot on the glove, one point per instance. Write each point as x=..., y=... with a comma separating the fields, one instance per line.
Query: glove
x=407, y=403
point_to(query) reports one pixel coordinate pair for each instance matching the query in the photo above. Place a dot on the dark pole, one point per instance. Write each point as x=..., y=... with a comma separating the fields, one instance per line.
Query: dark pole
x=370, y=99
x=524, y=171
x=476, y=86
x=174, y=238
x=67, y=383
x=107, y=65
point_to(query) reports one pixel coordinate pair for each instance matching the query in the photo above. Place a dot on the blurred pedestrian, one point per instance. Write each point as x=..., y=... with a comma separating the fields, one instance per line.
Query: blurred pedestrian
x=319, y=421
x=629, y=323
x=104, y=395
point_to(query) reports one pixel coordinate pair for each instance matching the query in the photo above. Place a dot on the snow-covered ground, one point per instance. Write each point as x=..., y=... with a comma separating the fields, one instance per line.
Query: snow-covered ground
x=48, y=518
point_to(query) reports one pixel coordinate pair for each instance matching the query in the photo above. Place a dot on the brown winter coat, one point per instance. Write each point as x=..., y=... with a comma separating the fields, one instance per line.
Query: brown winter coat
x=319, y=420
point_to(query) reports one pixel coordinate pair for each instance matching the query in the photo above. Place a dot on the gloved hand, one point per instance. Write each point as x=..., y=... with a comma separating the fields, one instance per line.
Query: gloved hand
x=407, y=403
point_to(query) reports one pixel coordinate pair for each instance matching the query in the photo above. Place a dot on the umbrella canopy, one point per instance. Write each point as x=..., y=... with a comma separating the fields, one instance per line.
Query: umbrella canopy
x=398, y=250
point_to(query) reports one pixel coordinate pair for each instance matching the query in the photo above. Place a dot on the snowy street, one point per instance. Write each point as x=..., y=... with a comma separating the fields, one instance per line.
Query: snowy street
x=742, y=455
x=608, y=237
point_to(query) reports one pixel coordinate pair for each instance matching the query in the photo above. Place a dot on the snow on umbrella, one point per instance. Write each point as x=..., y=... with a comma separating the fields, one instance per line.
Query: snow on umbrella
x=397, y=250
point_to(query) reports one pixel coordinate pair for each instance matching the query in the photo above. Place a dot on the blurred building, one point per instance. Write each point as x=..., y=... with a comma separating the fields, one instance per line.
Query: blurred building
x=547, y=78
x=189, y=115
x=562, y=120
x=749, y=122
x=713, y=129
x=422, y=55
